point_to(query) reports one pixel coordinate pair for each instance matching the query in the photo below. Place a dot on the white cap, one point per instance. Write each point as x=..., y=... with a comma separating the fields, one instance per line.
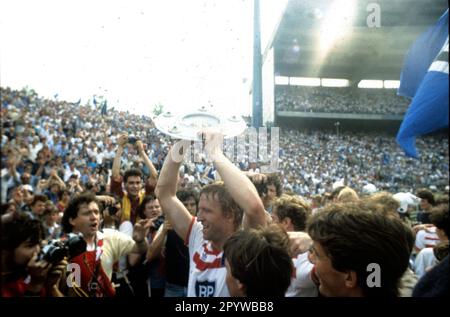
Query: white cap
x=369, y=189
x=337, y=184
x=405, y=200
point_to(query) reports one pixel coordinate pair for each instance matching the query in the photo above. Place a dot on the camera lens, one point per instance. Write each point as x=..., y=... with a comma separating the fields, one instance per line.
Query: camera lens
x=112, y=210
x=75, y=244
x=53, y=252
x=132, y=139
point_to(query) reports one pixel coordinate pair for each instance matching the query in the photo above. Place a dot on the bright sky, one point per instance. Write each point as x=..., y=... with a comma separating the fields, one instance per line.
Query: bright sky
x=183, y=54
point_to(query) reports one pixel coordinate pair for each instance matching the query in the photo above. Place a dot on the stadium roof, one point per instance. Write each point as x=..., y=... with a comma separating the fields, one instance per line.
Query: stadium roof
x=361, y=52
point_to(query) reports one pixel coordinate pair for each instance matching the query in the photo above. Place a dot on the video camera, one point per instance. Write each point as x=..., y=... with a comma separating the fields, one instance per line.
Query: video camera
x=56, y=250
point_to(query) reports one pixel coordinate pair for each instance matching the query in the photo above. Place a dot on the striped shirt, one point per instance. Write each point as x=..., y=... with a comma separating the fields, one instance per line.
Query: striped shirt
x=207, y=272
x=426, y=238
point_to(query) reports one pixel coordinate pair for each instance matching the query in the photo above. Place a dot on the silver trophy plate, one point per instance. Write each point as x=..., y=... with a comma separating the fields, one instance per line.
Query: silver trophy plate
x=187, y=126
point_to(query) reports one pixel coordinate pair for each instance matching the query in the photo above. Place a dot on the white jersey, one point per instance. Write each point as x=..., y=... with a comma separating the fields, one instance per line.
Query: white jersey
x=426, y=238
x=302, y=285
x=424, y=261
x=207, y=271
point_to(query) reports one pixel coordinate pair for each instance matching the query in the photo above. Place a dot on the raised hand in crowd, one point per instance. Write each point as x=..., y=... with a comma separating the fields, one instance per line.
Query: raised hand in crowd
x=45, y=276
x=140, y=231
x=56, y=276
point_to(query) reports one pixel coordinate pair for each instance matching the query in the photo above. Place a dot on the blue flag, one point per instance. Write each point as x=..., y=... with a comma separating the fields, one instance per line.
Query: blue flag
x=424, y=78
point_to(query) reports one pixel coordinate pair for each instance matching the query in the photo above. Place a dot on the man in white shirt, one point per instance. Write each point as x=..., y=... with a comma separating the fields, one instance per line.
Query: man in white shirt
x=103, y=248
x=219, y=215
x=71, y=170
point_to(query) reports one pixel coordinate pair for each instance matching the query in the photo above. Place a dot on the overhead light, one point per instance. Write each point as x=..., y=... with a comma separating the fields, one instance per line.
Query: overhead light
x=370, y=83
x=304, y=81
x=335, y=82
x=281, y=80
x=391, y=84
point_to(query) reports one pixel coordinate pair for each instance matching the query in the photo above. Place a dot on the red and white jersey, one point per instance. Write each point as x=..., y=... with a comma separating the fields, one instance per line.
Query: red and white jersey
x=426, y=238
x=207, y=271
x=302, y=284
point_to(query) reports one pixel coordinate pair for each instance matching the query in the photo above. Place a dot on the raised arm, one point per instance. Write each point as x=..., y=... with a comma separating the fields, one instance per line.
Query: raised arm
x=166, y=189
x=156, y=247
x=115, y=173
x=240, y=187
x=147, y=162
x=54, y=175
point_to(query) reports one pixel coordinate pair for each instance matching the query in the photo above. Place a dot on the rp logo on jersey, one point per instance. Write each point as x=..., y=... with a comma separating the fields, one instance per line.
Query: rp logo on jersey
x=205, y=289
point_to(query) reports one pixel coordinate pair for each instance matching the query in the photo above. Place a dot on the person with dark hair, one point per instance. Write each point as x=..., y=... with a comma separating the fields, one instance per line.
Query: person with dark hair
x=221, y=210
x=189, y=198
x=38, y=206
x=147, y=273
x=440, y=218
x=268, y=187
x=50, y=217
x=427, y=202
x=132, y=181
x=258, y=262
x=82, y=215
x=176, y=254
x=358, y=251
x=23, y=273
x=8, y=208
x=63, y=200
x=389, y=206
x=273, y=191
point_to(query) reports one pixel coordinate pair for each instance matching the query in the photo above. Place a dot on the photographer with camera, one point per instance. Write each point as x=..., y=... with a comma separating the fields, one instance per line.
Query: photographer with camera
x=147, y=274
x=112, y=211
x=103, y=248
x=24, y=271
x=133, y=195
x=168, y=244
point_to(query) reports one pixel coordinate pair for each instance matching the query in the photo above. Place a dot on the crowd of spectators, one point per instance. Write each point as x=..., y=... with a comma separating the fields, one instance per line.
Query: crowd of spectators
x=339, y=100
x=46, y=142
x=52, y=151
x=311, y=162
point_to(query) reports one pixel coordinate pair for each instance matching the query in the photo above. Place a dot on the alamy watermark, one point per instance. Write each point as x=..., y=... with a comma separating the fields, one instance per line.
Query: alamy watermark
x=374, y=278
x=260, y=146
x=373, y=20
